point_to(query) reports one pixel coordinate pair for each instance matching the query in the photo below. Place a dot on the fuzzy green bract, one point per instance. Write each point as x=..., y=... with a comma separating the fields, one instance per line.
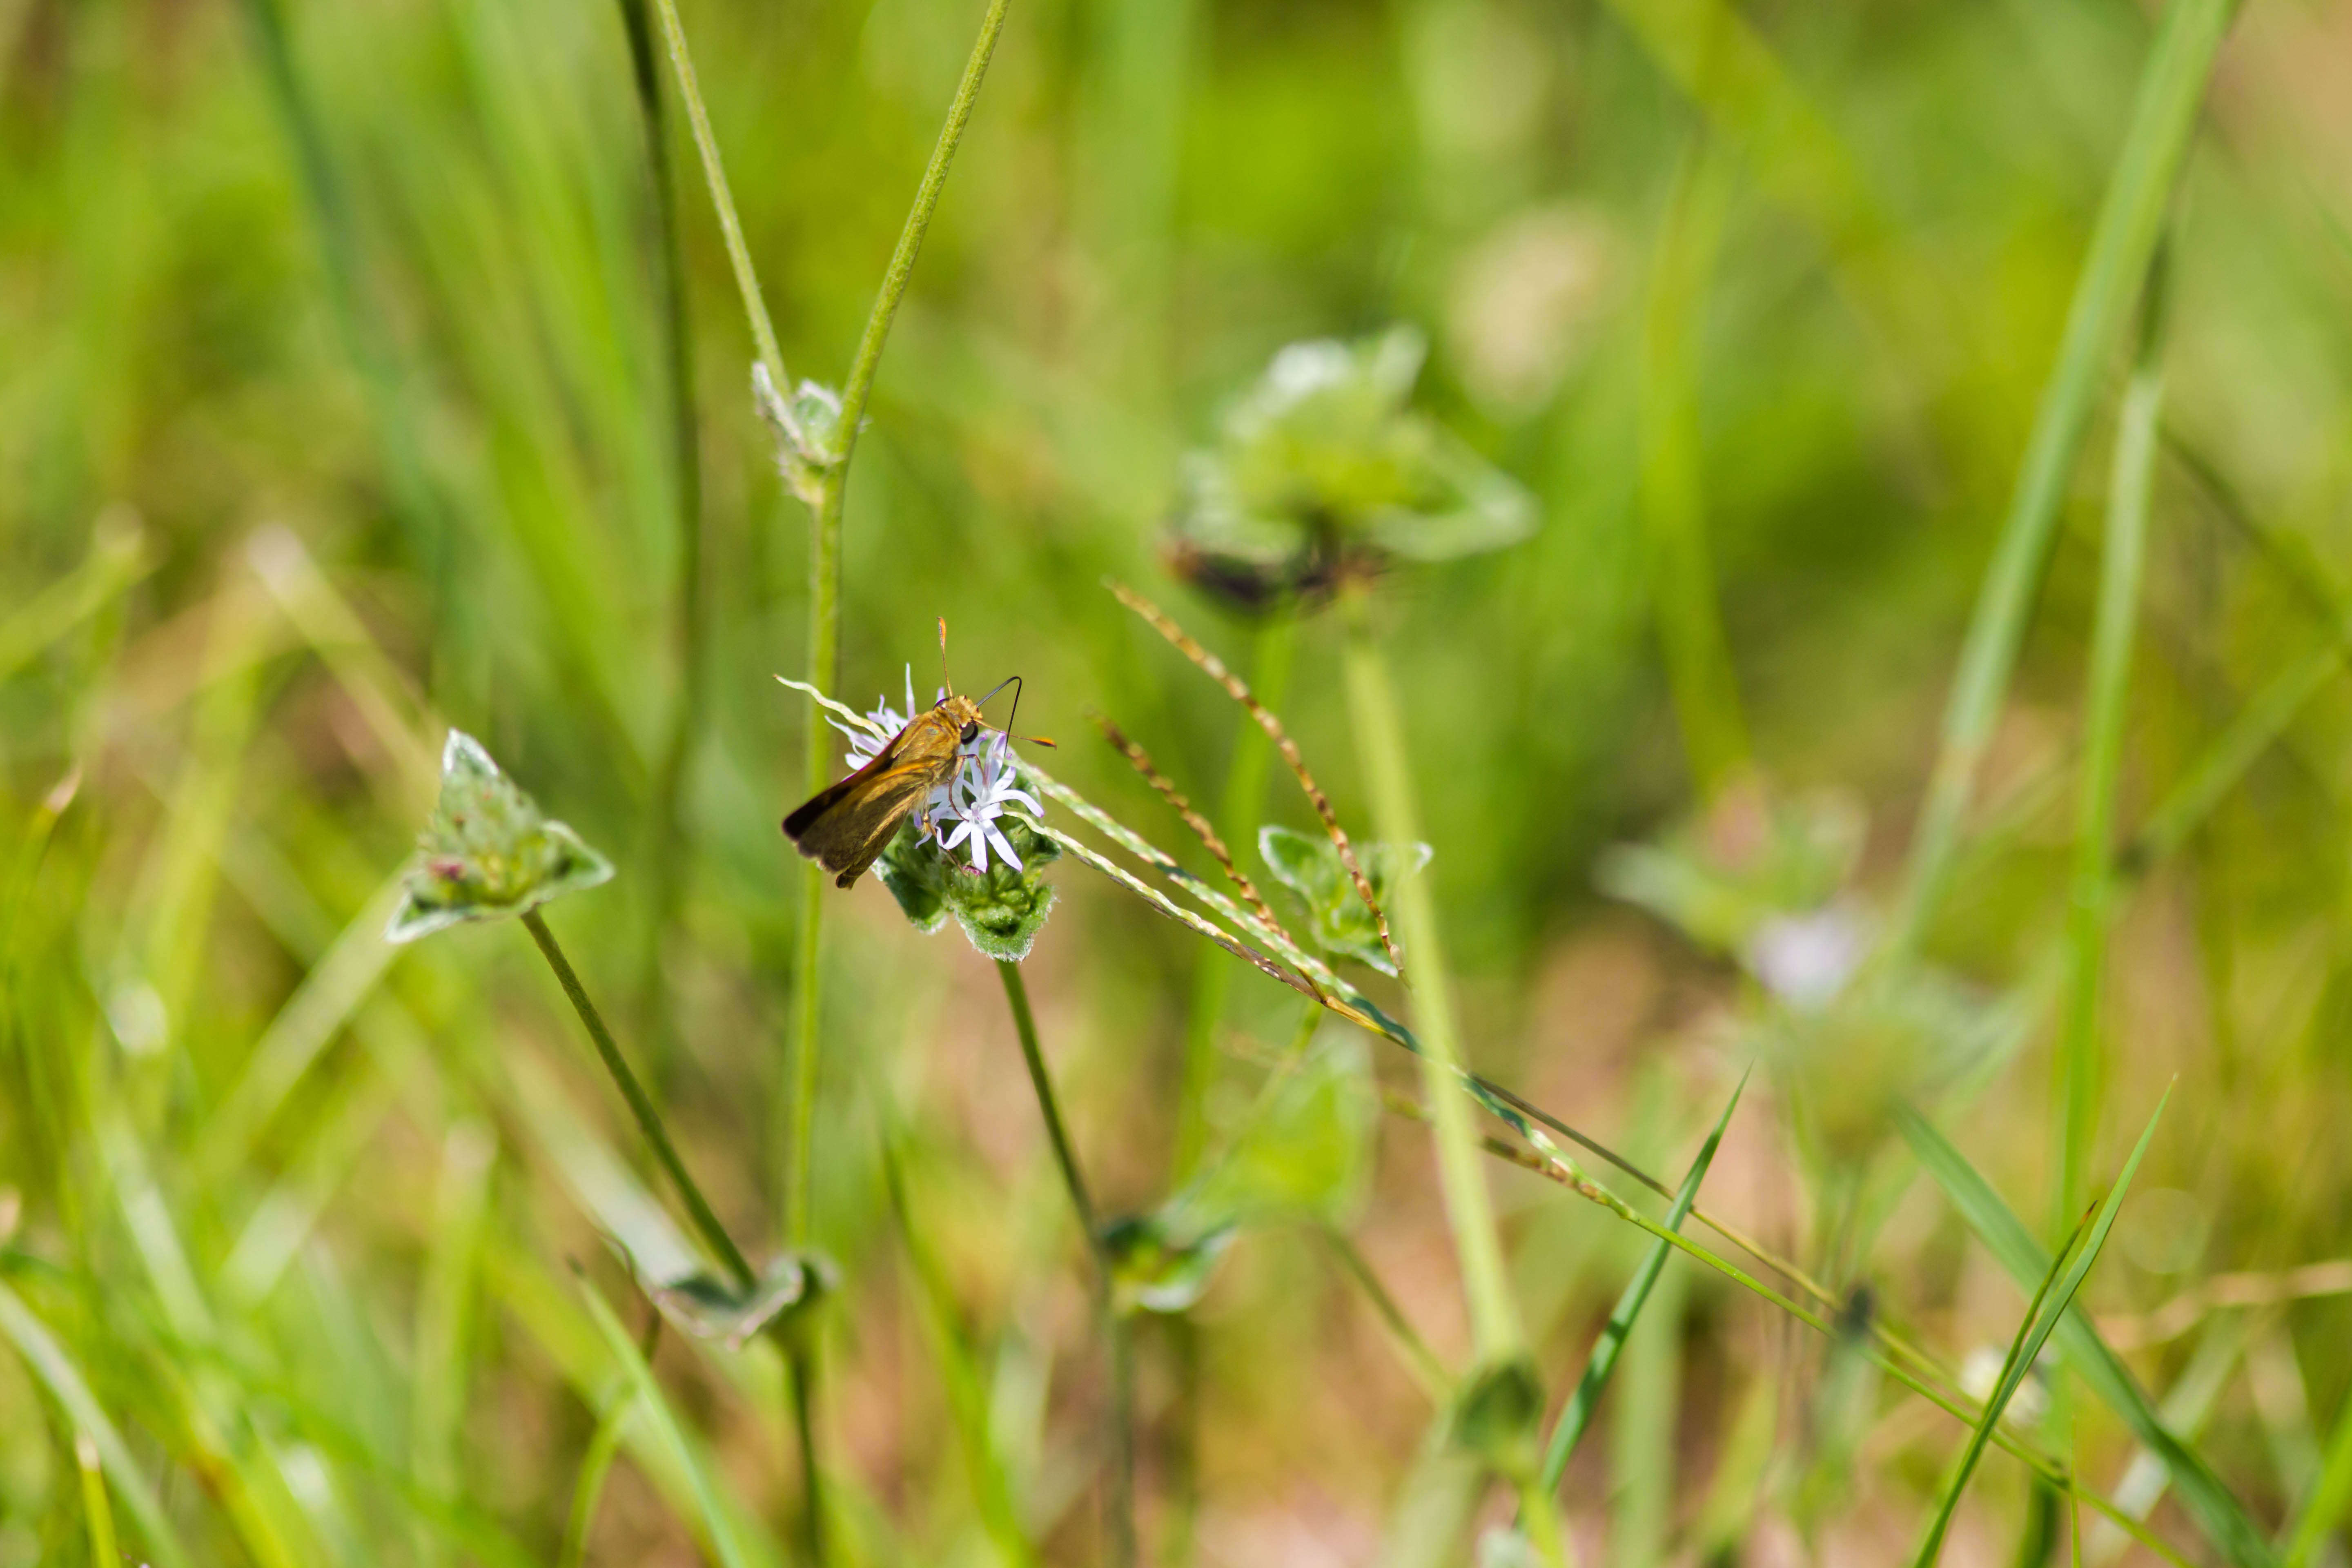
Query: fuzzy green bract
x=1323, y=466
x=1000, y=909
x=1301, y=1155
x=488, y=852
x=807, y=431
x=707, y=1307
x=1338, y=919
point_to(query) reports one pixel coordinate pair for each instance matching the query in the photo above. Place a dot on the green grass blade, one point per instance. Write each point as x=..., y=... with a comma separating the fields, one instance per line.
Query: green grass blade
x=2172, y=86
x=595, y=1465
x=1603, y=1362
x=103, y=1551
x=1672, y=492
x=2041, y=1317
x=445, y=1305
x=2116, y=622
x=717, y=1521
x=2217, y=1511
x=966, y=1385
x=57, y=1372
x=2013, y=1366
x=2329, y=1497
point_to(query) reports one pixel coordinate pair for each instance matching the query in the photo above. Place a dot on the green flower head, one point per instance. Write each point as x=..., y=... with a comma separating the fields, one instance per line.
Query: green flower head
x=488, y=852
x=1323, y=470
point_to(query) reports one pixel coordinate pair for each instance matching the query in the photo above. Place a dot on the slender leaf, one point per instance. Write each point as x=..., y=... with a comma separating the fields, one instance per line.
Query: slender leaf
x=66, y=1384
x=1603, y=1362
x=716, y=1519
x=2217, y=1511
x=2171, y=88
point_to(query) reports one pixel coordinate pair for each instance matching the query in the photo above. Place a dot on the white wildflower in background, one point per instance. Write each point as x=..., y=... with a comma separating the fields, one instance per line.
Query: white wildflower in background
x=985, y=787
x=1806, y=960
x=865, y=745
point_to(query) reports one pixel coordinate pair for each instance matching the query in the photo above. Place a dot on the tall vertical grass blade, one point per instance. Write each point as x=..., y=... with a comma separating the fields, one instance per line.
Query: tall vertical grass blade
x=1603, y=1362
x=2123, y=244
x=1673, y=502
x=596, y=1468
x=690, y=624
x=966, y=1385
x=416, y=503
x=2324, y=1511
x=2218, y=1513
x=2125, y=547
x=718, y=1524
x=460, y=1216
x=2041, y=1317
x=56, y=1372
x=96, y=1510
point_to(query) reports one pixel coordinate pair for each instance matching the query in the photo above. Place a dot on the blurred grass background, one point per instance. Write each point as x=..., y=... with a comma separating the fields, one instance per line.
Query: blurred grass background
x=331, y=409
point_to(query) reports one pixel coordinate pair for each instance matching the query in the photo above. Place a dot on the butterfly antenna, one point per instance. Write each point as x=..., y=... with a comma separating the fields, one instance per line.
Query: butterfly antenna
x=1014, y=681
x=944, y=682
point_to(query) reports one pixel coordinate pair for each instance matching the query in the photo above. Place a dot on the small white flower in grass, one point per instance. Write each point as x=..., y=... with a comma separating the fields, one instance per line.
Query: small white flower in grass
x=1806, y=960
x=985, y=787
x=865, y=747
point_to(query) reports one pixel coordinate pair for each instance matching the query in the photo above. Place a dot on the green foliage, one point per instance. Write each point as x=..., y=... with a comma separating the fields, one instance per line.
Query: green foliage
x=1764, y=311
x=1002, y=910
x=488, y=853
x=1337, y=920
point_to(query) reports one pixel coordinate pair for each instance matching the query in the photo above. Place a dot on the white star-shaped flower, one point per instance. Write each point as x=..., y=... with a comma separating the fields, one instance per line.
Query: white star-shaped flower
x=985, y=787
x=863, y=747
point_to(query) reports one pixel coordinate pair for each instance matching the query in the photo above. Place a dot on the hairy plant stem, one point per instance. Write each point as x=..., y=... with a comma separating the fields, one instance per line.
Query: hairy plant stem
x=1381, y=746
x=670, y=858
x=1119, y=1506
x=641, y=1105
x=714, y=175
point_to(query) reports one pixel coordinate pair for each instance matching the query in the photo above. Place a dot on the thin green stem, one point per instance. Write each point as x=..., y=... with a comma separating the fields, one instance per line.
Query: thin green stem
x=2164, y=116
x=670, y=859
x=1120, y=1505
x=649, y=1123
x=860, y=384
x=1237, y=820
x=801, y=1371
x=1074, y=1182
x=1380, y=745
x=595, y=1465
x=714, y=175
x=1540, y=1520
x=1418, y=1359
x=2121, y=555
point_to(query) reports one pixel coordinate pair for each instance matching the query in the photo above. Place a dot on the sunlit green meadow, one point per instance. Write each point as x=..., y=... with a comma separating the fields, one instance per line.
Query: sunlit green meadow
x=1831, y=522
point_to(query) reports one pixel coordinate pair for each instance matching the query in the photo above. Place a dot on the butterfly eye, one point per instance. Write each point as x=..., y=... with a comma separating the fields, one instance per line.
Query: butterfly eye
x=970, y=730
